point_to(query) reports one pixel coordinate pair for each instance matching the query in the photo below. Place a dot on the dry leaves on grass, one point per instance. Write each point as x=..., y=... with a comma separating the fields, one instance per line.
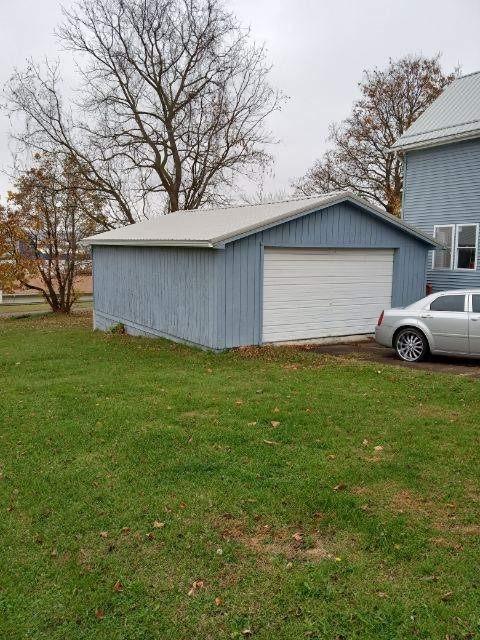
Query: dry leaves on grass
x=265, y=540
x=196, y=585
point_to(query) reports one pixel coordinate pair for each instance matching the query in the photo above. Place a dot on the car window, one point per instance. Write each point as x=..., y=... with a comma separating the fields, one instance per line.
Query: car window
x=448, y=303
x=476, y=304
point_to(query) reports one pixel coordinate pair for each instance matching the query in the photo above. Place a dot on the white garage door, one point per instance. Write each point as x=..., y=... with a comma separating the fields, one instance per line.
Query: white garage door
x=315, y=293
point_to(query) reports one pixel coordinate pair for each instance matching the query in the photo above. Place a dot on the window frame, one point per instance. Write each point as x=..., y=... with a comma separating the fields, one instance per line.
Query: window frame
x=455, y=261
x=470, y=303
x=454, y=248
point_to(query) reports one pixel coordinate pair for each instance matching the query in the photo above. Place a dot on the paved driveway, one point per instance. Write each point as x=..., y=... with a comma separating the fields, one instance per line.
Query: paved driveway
x=371, y=351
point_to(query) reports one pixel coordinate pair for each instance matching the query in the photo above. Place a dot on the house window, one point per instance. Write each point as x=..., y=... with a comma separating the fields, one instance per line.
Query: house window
x=460, y=242
x=442, y=258
x=466, y=251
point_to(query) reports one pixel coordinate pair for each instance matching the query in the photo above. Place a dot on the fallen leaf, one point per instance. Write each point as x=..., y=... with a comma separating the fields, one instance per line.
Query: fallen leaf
x=118, y=586
x=331, y=456
x=182, y=505
x=104, y=534
x=252, y=424
x=158, y=525
x=196, y=584
x=238, y=402
x=275, y=423
x=150, y=535
x=378, y=448
x=447, y=596
x=218, y=601
x=100, y=614
x=276, y=410
x=247, y=633
x=298, y=536
x=365, y=442
x=340, y=487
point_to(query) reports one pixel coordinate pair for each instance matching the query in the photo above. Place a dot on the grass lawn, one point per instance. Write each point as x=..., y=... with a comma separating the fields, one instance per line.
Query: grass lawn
x=149, y=490
x=36, y=307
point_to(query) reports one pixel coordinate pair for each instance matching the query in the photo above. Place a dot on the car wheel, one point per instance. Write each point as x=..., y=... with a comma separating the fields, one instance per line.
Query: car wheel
x=411, y=345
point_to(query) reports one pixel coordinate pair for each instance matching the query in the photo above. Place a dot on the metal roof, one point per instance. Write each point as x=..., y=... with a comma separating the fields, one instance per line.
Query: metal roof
x=453, y=116
x=214, y=227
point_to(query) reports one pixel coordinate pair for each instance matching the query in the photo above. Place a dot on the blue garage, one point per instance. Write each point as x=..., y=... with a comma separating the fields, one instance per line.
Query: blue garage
x=301, y=269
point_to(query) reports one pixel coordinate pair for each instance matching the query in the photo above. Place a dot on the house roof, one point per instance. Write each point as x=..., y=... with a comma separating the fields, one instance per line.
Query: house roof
x=215, y=227
x=453, y=116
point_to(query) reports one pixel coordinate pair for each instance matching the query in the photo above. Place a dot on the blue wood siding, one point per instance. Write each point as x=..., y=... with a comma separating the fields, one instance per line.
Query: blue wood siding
x=339, y=226
x=442, y=186
x=213, y=297
x=167, y=292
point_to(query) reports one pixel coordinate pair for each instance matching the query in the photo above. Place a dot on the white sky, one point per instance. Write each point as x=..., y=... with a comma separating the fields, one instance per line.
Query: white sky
x=318, y=49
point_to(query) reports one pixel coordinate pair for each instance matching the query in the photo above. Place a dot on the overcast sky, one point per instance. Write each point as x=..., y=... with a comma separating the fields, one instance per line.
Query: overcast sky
x=318, y=49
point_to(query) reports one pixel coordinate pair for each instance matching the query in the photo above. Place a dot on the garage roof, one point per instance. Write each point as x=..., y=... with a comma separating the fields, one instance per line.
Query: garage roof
x=215, y=227
x=453, y=116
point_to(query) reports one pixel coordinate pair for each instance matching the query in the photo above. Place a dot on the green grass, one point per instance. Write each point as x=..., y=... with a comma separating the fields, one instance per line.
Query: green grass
x=36, y=307
x=302, y=530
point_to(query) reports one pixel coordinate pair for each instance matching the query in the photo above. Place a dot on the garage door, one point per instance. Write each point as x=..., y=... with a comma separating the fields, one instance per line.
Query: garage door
x=316, y=293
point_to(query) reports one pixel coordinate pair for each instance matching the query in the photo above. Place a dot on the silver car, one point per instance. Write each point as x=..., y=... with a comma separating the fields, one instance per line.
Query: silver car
x=446, y=323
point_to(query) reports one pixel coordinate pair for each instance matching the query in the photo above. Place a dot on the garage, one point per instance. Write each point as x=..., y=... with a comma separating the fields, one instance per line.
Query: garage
x=317, y=293
x=246, y=275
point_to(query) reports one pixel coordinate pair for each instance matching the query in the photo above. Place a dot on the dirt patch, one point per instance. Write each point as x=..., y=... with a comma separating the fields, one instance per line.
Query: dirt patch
x=447, y=544
x=405, y=501
x=437, y=412
x=293, y=544
x=459, y=529
x=198, y=414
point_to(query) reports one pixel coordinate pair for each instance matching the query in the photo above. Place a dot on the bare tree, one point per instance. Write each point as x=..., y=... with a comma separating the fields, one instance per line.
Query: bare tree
x=46, y=216
x=361, y=160
x=265, y=197
x=172, y=102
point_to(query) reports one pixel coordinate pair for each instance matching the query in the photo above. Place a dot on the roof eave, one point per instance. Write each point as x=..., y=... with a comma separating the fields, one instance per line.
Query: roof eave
x=205, y=244
x=436, y=142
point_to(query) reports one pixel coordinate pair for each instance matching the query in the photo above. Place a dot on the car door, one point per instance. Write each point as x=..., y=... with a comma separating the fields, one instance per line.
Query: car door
x=474, y=325
x=447, y=318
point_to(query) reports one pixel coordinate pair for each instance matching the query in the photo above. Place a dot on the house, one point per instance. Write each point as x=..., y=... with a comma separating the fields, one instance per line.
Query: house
x=296, y=270
x=442, y=182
